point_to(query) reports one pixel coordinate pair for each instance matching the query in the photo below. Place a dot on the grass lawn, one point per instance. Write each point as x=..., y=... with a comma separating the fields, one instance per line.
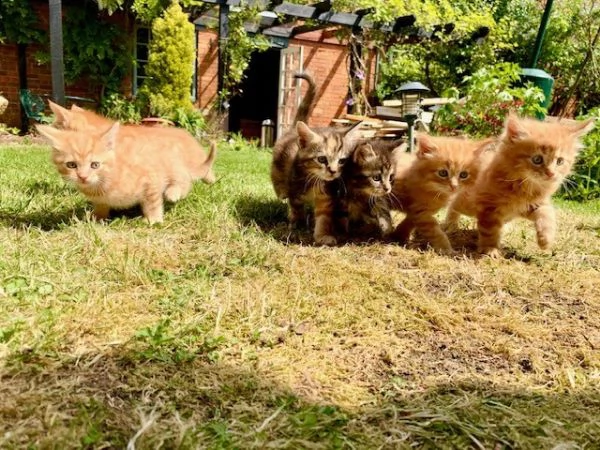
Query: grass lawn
x=218, y=330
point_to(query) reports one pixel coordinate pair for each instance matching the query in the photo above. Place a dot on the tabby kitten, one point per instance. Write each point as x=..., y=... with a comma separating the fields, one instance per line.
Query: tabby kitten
x=532, y=160
x=304, y=161
x=367, y=181
x=185, y=150
x=426, y=180
x=117, y=170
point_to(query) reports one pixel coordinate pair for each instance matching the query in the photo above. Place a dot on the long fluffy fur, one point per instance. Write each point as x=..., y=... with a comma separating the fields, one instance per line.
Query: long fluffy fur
x=530, y=164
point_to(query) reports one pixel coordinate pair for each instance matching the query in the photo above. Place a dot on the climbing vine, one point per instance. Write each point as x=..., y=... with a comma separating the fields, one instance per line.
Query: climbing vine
x=18, y=23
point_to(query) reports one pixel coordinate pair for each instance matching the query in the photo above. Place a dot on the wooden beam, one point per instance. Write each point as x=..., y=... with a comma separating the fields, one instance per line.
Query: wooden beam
x=303, y=11
x=279, y=31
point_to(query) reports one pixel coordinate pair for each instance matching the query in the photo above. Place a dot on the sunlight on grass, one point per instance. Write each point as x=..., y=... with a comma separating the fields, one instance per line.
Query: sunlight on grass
x=217, y=329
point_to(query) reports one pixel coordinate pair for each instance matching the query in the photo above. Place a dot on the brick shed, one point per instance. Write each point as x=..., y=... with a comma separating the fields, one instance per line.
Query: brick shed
x=324, y=57
x=269, y=91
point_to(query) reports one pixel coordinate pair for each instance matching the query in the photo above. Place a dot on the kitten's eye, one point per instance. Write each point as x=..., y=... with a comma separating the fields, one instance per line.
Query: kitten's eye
x=443, y=173
x=537, y=159
x=322, y=159
x=71, y=164
x=95, y=164
x=463, y=174
x=343, y=160
x=560, y=161
x=391, y=178
x=376, y=177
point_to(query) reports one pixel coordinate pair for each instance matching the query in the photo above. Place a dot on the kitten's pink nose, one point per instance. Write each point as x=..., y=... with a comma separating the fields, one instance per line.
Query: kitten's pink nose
x=82, y=178
x=549, y=174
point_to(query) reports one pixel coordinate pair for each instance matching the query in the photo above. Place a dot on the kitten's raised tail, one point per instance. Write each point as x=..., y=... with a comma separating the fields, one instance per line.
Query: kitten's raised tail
x=307, y=103
x=206, y=169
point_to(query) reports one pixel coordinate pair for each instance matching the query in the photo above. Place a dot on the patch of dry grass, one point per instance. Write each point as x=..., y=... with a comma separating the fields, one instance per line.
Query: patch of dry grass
x=218, y=330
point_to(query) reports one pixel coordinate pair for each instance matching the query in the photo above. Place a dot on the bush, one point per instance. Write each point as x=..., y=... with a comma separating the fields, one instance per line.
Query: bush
x=170, y=63
x=489, y=95
x=119, y=108
x=191, y=120
x=584, y=183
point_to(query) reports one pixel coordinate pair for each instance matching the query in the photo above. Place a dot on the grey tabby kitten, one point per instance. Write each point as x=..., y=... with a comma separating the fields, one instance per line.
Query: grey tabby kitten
x=304, y=161
x=366, y=185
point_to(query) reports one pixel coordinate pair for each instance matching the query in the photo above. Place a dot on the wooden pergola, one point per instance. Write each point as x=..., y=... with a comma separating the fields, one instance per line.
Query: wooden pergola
x=282, y=21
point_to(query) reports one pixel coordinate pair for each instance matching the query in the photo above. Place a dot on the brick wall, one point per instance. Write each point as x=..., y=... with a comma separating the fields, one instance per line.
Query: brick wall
x=325, y=58
x=39, y=76
x=9, y=84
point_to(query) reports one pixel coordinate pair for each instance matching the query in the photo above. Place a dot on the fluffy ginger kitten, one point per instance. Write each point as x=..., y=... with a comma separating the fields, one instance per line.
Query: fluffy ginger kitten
x=532, y=160
x=117, y=170
x=427, y=180
x=176, y=140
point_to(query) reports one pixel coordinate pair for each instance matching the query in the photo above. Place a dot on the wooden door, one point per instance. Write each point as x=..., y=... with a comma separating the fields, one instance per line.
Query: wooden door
x=291, y=61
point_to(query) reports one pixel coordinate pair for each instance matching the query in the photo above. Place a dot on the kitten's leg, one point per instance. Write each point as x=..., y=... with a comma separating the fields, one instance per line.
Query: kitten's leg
x=178, y=190
x=152, y=206
x=402, y=232
x=489, y=225
x=210, y=177
x=323, y=233
x=429, y=228
x=544, y=219
x=296, y=215
x=452, y=219
x=101, y=211
x=385, y=223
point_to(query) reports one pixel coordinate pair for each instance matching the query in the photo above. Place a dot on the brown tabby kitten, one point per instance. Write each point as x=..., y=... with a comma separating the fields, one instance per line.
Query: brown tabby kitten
x=426, y=180
x=184, y=148
x=304, y=161
x=532, y=161
x=117, y=170
x=367, y=181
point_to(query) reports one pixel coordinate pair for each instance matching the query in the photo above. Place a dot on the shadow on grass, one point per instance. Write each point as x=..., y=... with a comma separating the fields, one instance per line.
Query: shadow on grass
x=270, y=216
x=59, y=219
x=170, y=397
x=44, y=220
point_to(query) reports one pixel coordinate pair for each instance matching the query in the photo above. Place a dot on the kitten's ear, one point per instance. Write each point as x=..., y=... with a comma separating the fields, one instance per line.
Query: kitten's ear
x=363, y=152
x=582, y=128
x=352, y=135
x=426, y=147
x=305, y=134
x=513, y=129
x=76, y=108
x=54, y=136
x=109, y=137
x=62, y=116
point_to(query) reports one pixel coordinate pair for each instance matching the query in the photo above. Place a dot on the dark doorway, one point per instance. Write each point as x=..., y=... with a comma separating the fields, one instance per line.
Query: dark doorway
x=258, y=98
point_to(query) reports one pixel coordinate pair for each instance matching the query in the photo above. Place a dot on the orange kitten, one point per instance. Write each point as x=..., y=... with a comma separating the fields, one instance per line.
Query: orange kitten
x=117, y=170
x=532, y=161
x=189, y=152
x=426, y=181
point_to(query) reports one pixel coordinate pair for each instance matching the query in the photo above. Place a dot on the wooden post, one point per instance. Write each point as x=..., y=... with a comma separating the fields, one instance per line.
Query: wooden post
x=56, y=51
x=223, y=63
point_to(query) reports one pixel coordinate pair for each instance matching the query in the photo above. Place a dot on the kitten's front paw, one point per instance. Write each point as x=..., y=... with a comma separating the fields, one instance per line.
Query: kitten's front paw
x=492, y=252
x=544, y=242
x=325, y=240
x=447, y=251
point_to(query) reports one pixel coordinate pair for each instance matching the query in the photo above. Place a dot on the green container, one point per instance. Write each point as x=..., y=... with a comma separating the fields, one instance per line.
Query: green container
x=541, y=79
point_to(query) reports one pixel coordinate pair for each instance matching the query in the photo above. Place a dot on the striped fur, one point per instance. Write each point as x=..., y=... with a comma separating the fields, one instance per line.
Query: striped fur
x=367, y=181
x=426, y=181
